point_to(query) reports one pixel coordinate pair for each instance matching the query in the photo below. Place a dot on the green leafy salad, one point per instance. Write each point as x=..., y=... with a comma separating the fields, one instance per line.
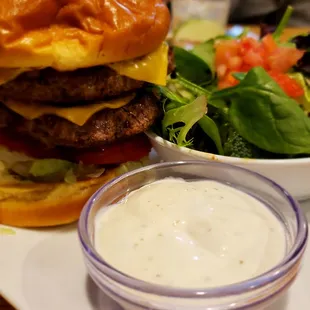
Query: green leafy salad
x=240, y=96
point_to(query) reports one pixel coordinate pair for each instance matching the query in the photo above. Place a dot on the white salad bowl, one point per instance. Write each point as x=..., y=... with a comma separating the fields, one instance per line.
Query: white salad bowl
x=292, y=174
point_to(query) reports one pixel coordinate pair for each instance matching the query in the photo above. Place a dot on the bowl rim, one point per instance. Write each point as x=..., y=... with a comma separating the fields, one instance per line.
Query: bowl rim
x=266, y=278
x=226, y=159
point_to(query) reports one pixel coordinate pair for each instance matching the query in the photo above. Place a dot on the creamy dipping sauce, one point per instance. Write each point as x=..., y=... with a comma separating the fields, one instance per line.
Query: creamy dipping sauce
x=190, y=234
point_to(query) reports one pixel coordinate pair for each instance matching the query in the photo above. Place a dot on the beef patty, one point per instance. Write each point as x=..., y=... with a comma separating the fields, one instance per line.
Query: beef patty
x=49, y=85
x=102, y=128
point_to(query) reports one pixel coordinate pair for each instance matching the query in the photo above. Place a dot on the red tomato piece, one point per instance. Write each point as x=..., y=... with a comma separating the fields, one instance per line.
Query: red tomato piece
x=226, y=49
x=27, y=146
x=221, y=71
x=223, y=84
x=284, y=58
x=253, y=59
x=289, y=85
x=269, y=43
x=247, y=44
x=131, y=149
x=235, y=63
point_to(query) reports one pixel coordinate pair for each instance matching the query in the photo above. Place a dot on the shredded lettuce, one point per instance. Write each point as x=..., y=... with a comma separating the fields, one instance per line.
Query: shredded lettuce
x=47, y=167
x=9, y=158
x=132, y=165
x=45, y=170
x=52, y=170
x=56, y=170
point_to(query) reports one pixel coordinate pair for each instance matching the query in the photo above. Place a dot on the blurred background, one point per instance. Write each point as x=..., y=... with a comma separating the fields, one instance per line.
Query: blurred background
x=243, y=12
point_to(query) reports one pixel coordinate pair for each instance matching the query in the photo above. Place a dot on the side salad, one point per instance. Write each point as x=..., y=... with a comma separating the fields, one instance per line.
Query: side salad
x=240, y=97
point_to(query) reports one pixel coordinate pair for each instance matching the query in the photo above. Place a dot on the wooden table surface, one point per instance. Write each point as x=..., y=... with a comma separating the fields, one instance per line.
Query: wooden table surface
x=290, y=32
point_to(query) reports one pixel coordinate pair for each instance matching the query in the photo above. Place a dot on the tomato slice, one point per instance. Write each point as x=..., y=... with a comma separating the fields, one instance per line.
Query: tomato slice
x=27, y=146
x=132, y=149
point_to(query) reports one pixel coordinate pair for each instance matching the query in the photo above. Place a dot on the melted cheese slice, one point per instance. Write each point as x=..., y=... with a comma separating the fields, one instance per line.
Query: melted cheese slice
x=77, y=115
x=152, y=68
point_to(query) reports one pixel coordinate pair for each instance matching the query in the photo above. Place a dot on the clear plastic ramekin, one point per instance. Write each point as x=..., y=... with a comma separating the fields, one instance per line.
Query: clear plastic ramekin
x=256, y=293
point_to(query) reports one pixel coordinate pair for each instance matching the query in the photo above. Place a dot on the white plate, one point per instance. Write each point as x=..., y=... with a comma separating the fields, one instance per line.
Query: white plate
x=44, y=270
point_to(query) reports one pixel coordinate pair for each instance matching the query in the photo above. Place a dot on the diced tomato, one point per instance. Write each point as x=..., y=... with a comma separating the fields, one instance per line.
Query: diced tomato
x=231, y=79
x=223, y=84
x=221, y=71
x=132, y=149
x=28, y=146
x=245, y=68
x=235, y=63
x=228, y=81
x=226, y=49
x=247, y=44
x=289, y=85
x=253, y=59
x=284, y=58
x=247, y=53
x=269, y=43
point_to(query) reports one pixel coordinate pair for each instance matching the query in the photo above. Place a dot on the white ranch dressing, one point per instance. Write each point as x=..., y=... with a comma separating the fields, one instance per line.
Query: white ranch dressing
x=190, y=234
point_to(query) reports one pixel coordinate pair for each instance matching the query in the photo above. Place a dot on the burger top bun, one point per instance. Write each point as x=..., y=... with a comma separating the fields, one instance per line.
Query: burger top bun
x=71, y=34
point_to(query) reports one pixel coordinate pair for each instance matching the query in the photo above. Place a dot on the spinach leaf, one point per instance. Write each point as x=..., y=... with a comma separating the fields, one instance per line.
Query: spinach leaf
x=192, y=67
x=188, y=114
x=210, y=128
x=265, y=116
x=239, y=75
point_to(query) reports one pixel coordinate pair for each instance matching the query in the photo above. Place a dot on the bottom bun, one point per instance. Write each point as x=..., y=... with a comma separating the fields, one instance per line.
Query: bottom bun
x=43, y=204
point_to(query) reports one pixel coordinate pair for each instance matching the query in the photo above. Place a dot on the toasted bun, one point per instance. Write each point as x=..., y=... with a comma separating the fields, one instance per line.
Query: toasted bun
x=41, y=205
x=67, y=35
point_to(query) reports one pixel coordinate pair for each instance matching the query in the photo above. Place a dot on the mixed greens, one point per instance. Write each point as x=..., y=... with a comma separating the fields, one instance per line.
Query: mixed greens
x=262, y=114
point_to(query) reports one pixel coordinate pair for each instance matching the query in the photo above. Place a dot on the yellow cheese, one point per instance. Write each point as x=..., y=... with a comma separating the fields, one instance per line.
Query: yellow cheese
x=151, y=68
x=77, y=115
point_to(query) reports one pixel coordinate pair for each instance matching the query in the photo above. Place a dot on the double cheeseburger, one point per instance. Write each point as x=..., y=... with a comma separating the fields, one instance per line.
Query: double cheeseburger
x=74, y=100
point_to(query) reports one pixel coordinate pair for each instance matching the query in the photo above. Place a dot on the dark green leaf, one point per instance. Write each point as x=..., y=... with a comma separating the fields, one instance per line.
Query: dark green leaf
x=212, y=131
x=239, y=75
x=265, y=116
x=191, y=66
